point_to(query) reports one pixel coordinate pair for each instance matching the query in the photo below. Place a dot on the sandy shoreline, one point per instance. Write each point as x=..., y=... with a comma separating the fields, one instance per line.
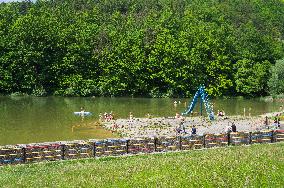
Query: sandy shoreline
x=156, y=127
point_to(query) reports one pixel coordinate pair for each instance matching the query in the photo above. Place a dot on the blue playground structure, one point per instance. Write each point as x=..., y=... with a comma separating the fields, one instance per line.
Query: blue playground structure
x=200, y=93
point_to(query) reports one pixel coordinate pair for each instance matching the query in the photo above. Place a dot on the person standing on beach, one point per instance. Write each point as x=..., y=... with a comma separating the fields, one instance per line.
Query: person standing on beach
x=234, y=128
x=228, y=129
x=193, y=130
x=266, y=121
x=277, y=121
x=181, y=125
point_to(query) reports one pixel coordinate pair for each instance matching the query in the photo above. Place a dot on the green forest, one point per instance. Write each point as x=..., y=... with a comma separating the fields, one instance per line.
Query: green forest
x=149, y=48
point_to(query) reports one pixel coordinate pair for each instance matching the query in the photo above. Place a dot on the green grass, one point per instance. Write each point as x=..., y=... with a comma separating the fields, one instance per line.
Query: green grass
x=245, y=166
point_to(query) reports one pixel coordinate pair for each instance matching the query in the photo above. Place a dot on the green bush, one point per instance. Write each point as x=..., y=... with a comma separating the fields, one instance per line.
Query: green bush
x=276, y=81
x=39, y=92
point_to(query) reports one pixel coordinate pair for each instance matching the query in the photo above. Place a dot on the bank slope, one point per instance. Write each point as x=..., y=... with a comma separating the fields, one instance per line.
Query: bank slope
x=244, y=166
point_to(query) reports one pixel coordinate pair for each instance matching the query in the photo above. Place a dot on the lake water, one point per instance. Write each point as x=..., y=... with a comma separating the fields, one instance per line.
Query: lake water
x=42, y=119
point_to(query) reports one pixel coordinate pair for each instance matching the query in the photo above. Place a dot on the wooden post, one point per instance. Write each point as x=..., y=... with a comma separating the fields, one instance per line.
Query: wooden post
x=63, y=151
x=272, y=136
x=229, y=139
x=94, y=149
x=127, y=146
x=250, y=137
x=24, y=154
x=179, y=142
x=204, y=141
x=155, y=143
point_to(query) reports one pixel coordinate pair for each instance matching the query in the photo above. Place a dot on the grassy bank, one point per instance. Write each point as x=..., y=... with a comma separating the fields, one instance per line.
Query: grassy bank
x=247, y=166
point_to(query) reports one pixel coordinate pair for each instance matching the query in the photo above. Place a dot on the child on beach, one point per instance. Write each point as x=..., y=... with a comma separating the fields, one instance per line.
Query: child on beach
x=177, y=115
x=220, y=113
x=178, y=130
x=228, y=129
x=193, y=130
x=130, y=122
x=130, y=116
x=110, y=117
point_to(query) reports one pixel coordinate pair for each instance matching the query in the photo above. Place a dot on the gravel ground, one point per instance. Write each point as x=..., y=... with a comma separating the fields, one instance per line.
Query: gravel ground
x=145, y=127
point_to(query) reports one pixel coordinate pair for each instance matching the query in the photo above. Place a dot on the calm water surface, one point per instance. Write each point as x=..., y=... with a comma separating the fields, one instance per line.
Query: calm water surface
x=41, y=119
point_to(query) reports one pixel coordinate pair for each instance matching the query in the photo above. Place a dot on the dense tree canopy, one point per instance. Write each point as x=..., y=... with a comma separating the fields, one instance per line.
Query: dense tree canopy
x=276, y=81
x=157, y=48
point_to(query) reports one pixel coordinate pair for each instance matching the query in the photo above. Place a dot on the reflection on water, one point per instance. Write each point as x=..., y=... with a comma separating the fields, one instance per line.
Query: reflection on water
x=39, y=119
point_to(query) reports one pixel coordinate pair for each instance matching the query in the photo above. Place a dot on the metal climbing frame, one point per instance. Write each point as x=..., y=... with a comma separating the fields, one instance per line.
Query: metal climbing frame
x=200, y=93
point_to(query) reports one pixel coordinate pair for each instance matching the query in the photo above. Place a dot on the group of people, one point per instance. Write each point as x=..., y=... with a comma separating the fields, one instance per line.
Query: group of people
x=276, y=121
x=106, y=116
x=181, y=128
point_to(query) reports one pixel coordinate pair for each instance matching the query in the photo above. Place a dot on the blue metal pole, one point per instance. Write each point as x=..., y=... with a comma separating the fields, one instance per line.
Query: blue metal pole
x=200, y=106
x=200, y=97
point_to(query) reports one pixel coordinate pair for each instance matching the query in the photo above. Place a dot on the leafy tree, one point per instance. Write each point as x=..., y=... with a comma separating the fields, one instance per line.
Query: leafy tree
x=156, y=48
x=276, y=81
x=251, y=77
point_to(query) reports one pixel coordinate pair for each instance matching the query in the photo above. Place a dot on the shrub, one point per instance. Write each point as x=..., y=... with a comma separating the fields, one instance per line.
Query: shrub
x=276, y=81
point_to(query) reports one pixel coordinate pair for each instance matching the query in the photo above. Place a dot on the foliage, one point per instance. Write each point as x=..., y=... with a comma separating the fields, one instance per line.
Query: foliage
x=39, y=92
x=276, y=82
x=251, y=78
x=139, y=48
x=254, y=166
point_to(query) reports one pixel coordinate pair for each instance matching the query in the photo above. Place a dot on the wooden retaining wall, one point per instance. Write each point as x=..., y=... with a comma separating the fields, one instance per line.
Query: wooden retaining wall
x=36, y=152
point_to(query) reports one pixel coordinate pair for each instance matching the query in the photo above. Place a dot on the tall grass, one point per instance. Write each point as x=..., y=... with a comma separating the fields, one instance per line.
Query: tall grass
x=244, y=166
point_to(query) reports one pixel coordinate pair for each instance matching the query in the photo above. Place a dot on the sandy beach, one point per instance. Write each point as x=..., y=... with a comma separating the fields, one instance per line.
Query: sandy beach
x=163, y=126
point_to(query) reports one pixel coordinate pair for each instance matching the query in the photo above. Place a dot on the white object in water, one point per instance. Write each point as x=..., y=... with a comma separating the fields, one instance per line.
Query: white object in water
x=83, y=113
